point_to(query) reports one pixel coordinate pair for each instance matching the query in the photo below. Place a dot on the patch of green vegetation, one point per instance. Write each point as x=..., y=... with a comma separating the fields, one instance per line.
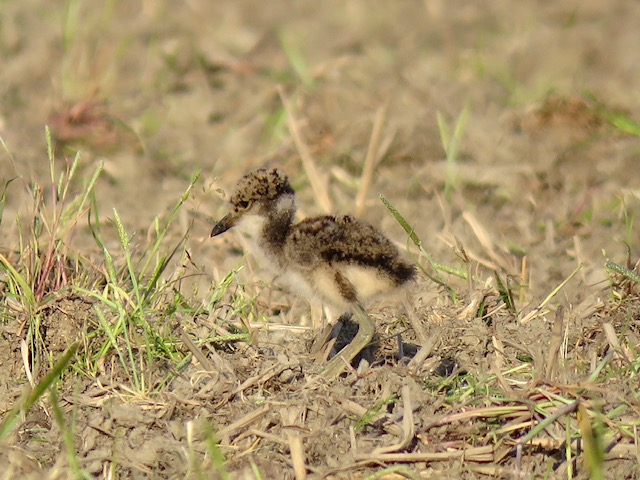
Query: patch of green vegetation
x=45, y=260
x=617, y=118
x=134, y=291
x=451, y=144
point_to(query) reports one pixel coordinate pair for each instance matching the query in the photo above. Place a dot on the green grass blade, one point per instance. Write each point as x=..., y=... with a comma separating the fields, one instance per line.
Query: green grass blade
x=26, y=402
x=403, y=223
x=68, y=435
x=591, y=443
x=416, y=240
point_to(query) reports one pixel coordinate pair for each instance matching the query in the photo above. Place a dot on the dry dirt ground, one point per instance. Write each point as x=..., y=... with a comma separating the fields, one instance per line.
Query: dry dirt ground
x=530, y=367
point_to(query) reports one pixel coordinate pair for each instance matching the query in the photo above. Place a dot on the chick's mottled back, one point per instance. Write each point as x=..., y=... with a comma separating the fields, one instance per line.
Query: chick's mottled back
x=346, y=240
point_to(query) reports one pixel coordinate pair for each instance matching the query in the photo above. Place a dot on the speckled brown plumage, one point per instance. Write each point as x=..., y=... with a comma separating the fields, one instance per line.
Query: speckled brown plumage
x=338, y=259
x=338, y=240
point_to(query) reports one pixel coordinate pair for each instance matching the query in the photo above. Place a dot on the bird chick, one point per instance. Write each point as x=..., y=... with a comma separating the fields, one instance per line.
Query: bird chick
x=339, y=260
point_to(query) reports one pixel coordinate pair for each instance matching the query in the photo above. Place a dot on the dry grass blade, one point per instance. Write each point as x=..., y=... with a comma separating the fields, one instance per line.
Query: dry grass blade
x=416, y=322
x=540, y=309
x=473, y=454
x=255, y=380
x=245, y=421
x=408, y=425
x=204, y=361
x=318, y=187
x=320, y=347
x=471, y=310
x=269, y=436
x=271, y=327
x=370, y=160
x=614, y=343
x=214, y=371
x=24, y=353
x=291, y=418
x=483, y=237
x=524, y=280
x=425, y=350
x=486, y=412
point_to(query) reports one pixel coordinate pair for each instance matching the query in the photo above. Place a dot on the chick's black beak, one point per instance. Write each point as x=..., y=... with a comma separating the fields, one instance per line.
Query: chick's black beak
x=223, y=225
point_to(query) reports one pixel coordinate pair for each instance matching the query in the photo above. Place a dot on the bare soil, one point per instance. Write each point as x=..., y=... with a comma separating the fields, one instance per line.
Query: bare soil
x=546, y=181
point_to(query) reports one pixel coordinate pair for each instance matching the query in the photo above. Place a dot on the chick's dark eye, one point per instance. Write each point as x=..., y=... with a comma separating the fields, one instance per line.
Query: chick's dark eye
x=244, y=204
